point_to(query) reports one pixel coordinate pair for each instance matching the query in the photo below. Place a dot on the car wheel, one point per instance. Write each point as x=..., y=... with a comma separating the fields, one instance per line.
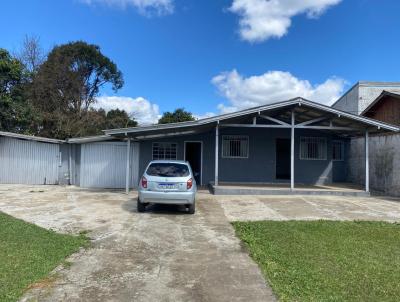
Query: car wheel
x=141, y=207
x=192, y=208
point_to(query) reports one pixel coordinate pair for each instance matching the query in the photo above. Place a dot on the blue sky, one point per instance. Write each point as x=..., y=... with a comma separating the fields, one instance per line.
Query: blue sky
x=195, y=54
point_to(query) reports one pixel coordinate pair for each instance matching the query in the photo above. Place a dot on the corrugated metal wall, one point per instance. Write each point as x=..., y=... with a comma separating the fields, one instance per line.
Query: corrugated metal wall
x=103, y=165
x=28, y=162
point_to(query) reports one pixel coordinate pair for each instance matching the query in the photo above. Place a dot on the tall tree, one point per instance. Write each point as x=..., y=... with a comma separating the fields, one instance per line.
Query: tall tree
x=16, y=113
x=66, y=86
x=179, y=115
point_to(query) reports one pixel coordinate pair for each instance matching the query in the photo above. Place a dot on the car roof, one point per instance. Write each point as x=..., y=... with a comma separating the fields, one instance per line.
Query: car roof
x=169, y=162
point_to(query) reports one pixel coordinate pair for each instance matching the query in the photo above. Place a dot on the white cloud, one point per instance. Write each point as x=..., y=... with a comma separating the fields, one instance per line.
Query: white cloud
x=145, y=7
x=272, y=86
x=142, y=110
x=205, y=115
x=264, y=19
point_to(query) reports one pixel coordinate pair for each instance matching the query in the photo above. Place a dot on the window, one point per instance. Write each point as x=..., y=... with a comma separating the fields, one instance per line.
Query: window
x=168, y=170
x=313, y=148
x=164, y=151
x=235, y=146
x=338, y=150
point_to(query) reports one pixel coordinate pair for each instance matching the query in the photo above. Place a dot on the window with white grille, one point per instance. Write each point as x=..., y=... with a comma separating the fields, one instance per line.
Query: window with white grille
x=313, y=148
x=235, y=146
x=165, y=151
x=338, y=150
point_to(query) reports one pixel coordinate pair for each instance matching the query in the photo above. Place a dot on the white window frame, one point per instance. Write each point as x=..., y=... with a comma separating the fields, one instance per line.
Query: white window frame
x=235, y=137
x=321, y=139
x=341, y=149
x=165, y=143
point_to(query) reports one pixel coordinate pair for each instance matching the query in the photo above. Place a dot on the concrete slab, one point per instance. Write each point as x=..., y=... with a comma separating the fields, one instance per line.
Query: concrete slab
x=305, y=207
x=160, y=255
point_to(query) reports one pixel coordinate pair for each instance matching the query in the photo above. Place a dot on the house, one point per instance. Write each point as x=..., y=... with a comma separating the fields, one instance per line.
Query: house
x=292, y=143
x=380, y=101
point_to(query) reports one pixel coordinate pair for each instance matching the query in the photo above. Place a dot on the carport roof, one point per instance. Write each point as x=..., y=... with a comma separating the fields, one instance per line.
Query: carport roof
x=279, y=109
x=32, y=138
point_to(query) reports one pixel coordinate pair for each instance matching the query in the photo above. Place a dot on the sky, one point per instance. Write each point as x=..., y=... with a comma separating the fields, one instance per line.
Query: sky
x=218, y=56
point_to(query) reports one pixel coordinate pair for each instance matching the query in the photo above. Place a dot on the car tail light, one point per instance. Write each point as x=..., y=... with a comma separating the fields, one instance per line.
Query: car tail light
x=189, y=184
x=144, y=182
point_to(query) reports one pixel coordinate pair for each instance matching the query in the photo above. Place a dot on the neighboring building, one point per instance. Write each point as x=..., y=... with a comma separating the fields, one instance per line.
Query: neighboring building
x=379, y=101
x=385, y=108
x=362, y=94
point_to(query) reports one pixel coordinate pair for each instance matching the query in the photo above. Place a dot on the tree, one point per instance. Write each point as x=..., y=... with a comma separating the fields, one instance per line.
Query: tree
x=31, y=54
x=179, y=115
x=66, y=86
x=16, y=113
x=119, y=119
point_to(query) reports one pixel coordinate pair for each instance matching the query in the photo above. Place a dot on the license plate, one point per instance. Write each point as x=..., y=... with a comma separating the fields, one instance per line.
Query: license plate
x=167, y=186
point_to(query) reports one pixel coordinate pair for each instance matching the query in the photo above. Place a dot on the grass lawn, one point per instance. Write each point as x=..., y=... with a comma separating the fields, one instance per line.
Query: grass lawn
x=28, y=253
x=326, y=260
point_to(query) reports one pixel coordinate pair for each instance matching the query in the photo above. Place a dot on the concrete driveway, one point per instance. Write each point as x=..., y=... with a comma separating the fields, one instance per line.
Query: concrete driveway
x=164, y=254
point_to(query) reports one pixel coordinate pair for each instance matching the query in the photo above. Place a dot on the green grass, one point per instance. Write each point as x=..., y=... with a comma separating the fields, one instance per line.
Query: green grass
x=326, y=260
x=28, y=253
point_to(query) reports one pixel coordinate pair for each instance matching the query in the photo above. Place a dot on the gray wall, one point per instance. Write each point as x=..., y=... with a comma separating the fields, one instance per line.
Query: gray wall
x=384, y=160
x=28, y=162
x=260, y=166
x=349, y=101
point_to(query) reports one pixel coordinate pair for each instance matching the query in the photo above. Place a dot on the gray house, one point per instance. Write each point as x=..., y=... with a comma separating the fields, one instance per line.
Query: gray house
x=293, y=144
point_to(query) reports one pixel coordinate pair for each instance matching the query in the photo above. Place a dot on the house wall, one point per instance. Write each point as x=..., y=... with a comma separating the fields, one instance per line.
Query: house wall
x=384, y=162
x=260, y=166
x=208, y=140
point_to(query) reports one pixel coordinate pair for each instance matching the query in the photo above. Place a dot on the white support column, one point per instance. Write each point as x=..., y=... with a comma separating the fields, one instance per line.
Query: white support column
x=366, y=161
x=128, y=163
x=292, y=152
x=216, y=154
x=70, y=181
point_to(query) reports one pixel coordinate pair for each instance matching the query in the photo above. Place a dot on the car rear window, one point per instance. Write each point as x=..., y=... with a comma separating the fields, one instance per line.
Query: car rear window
x=168, y=170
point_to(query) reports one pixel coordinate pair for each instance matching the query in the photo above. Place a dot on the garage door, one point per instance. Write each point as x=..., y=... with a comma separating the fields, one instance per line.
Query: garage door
x=103, y=165
x=28, y=162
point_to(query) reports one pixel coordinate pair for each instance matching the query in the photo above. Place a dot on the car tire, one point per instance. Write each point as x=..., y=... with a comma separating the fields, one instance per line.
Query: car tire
x=192, y=208
x=141, y=207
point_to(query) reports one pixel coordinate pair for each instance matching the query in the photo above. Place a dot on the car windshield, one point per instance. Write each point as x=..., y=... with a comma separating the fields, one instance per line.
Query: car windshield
x=168, y=170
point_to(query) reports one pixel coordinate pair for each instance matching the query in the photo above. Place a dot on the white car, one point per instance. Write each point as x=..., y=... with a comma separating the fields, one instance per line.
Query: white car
x=167, y=182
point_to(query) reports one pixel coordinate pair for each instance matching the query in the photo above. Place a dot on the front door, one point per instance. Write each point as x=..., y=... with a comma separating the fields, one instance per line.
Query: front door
x=193, y=156
x=282, y=158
